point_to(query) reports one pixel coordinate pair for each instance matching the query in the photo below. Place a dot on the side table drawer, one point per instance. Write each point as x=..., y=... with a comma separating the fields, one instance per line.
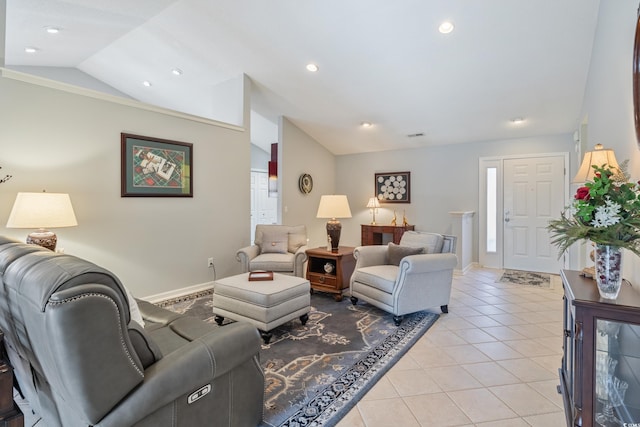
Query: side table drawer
x=323, y=279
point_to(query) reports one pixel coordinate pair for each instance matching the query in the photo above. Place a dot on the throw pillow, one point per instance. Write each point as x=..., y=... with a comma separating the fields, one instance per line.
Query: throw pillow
x=134, y=310
x=297, y=238
x=397, y=252
x=274, y=242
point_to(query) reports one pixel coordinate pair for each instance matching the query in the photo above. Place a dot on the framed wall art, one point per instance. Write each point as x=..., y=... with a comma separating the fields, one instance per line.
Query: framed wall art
x=153, y=167
x=393, y=187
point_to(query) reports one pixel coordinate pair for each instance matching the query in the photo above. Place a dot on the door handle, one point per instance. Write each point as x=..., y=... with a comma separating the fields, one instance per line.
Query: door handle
x=506, y=216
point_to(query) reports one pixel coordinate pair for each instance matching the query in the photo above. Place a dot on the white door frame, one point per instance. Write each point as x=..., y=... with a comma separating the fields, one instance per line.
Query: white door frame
x=496, y=259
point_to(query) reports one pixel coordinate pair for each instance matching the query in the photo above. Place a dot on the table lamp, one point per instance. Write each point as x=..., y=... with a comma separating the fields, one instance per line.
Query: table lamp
x=598, y=157
x=373, y=206
x=333, y=207
x=42, y=211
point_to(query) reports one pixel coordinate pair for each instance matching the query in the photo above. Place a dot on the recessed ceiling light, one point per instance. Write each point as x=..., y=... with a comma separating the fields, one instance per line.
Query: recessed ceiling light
x=30, y=49
x=366, y=124
x=446, y=27
x=52, y=30
x=517, y=120
x=146, y=83
x=176, y=72
x=312, y=67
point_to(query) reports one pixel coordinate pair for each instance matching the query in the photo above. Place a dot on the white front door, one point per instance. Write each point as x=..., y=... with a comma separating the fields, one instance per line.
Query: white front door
x=263, y=208
x=534, y=193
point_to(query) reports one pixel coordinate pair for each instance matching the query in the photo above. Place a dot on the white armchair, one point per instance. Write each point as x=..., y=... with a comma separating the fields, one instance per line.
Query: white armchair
x=277, y=248
x=415, y=275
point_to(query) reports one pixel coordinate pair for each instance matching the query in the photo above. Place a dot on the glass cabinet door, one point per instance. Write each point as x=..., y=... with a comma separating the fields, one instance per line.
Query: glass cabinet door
x=617, y=374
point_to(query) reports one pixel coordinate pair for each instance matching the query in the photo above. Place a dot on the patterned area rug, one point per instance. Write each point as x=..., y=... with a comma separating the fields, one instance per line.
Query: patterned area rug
x=520, y=277
x=316, y=373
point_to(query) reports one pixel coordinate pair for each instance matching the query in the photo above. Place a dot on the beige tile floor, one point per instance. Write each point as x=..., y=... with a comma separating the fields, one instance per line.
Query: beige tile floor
x=491, y=361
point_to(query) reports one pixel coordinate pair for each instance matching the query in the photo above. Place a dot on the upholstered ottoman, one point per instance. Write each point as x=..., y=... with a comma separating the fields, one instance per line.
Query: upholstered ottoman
x=265, y=303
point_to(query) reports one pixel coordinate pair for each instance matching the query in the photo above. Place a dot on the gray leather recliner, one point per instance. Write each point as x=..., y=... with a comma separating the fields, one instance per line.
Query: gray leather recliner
x=80, y=361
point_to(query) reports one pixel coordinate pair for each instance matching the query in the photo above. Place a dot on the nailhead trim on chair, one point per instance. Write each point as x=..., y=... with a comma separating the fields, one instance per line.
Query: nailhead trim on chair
x=122, y=343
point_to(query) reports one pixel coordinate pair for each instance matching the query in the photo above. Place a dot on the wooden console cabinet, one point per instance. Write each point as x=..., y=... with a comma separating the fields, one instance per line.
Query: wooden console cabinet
x=330, y=271
x=374, y=234
x=601, y=354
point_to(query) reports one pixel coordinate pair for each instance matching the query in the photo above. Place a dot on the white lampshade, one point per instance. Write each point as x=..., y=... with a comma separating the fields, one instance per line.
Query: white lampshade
x=42, y=210
x=598, y=157
x=333, y=206
x=373, y=203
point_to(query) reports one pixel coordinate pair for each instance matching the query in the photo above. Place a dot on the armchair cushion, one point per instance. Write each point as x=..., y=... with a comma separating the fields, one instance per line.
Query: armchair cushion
x=274, y=241
x=273, y=262
x=382, y=277
x=431, y=242
x=297, y=237
x=397, y=252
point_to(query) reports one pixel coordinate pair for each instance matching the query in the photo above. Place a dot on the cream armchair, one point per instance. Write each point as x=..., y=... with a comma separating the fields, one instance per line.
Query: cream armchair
x=412, y=276
x=278, y=248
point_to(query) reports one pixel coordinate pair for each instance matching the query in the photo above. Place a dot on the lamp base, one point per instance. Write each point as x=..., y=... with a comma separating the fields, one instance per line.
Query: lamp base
x=45, y=238
x=333, y=230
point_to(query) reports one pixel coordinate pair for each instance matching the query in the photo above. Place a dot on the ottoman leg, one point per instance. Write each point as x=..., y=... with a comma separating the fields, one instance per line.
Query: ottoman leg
x=266, y=336
x=304, y=319
x=219, y=320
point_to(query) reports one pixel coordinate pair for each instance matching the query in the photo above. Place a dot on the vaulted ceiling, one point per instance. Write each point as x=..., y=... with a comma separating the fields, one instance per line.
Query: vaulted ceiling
x=380, y=61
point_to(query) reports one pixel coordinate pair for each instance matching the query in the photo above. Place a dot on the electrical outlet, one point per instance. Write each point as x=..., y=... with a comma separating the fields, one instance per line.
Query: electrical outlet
x=210, y=263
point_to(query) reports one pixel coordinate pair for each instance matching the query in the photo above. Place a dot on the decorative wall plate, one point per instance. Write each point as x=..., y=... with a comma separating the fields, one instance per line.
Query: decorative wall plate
x=305, y=183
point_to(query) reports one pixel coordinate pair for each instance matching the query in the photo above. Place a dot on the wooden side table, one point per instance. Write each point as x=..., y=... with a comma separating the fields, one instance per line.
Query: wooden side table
x=373, y=234
x=330, y=271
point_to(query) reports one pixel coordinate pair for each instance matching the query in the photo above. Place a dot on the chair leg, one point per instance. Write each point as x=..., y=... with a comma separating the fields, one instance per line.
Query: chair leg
x=398, y=320
x=266, y=336
x=444, y=308
x=304, y=318
x=354, y=300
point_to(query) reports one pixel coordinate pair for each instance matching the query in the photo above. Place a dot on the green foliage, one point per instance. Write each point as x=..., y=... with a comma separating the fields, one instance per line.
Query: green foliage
x=605, y=211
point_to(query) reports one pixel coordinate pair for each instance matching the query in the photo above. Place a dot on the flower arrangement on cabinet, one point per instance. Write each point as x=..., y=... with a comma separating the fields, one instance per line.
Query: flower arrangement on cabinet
x=605, y=210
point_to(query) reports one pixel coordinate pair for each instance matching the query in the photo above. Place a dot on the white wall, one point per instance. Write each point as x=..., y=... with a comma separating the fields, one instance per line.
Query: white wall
x=66, y=142
x=443, y=179
x=71, y=76
x=301, y=154
x=608, y=102
x=259, y=158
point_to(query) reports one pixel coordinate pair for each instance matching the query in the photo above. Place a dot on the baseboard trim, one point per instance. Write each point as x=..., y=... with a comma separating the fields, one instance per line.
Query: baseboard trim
x=465, y=269
x=178, y=293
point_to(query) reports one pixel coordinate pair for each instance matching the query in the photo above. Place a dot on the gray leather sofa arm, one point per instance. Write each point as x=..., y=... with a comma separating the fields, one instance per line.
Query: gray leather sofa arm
x=186, y=370
x=370, y=255
x=246, y=254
